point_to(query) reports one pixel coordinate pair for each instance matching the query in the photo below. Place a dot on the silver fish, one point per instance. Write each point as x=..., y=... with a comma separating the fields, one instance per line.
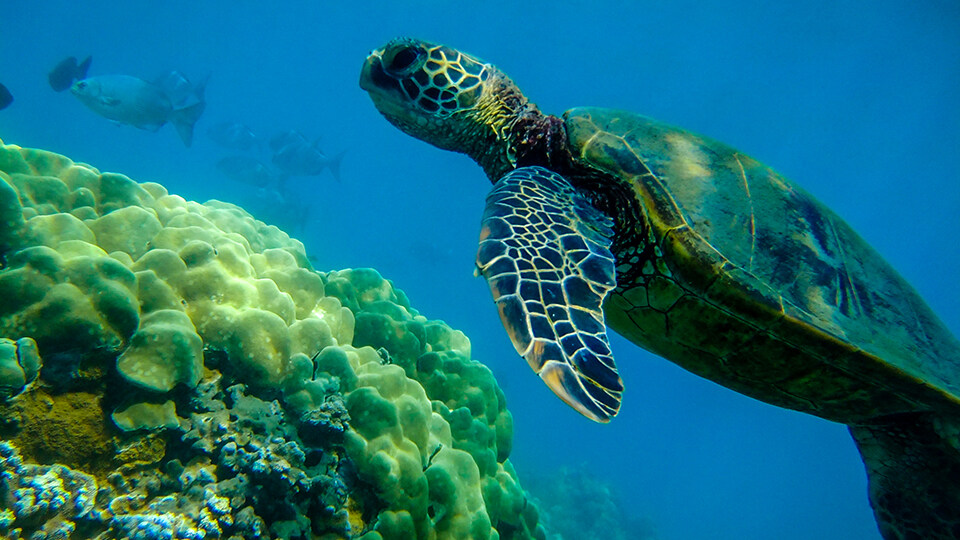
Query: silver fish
x=289, y=138
x=247, y=170
x=286, y=211
x=233, y=135
x=296, y=156
x=179, y=89
x=142, y=104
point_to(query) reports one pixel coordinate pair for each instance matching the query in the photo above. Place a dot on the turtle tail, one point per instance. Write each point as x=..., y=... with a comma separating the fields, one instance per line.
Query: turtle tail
x=913, y=470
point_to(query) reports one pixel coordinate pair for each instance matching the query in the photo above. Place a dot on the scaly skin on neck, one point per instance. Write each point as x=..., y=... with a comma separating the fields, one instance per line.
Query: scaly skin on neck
x=506, y=131
x=498, y=111
x=511, y=131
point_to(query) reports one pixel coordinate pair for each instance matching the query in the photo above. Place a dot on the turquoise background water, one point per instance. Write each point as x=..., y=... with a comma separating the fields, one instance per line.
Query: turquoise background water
x=856, y=101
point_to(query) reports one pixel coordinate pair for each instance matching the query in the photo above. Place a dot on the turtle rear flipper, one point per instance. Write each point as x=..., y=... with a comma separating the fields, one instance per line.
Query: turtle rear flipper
x=544, y=251
x=913, y=469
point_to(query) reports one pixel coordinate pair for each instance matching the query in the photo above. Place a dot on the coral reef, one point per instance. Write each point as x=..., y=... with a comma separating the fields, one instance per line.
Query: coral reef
x=248, y=476
x=200, y=380
x=19, y=365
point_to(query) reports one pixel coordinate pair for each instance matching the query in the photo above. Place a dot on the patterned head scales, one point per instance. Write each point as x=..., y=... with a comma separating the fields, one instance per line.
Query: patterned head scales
x=429, y=91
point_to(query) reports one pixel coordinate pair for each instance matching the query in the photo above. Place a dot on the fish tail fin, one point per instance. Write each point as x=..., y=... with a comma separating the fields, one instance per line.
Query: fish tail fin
x=334, y=165
x=184, y=119
x=82, y=68
x=200, y=88
x=913, y=463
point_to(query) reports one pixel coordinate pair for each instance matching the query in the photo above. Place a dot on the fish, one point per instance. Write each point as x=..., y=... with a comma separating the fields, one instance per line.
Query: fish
x=179, y=89
x=145, y=105
x=296, y=156
x=286, y=211
x=62, y=76
x=247, y=170
x=6, y=98
x=289, y=138
x=233, y=135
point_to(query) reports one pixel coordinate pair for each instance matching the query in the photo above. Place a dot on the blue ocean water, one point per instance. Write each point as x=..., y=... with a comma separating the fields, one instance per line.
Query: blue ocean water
x=856, y=101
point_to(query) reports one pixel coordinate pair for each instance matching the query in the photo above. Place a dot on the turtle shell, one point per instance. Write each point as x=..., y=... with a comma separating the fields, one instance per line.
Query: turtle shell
x=743, y=277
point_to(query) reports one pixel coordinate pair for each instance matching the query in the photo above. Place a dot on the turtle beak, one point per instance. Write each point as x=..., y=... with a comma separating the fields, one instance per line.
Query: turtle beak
x=385, y=91
x=370, y=66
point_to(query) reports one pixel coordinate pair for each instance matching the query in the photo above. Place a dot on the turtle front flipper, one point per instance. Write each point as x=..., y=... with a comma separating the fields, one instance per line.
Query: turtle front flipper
x=545, y=252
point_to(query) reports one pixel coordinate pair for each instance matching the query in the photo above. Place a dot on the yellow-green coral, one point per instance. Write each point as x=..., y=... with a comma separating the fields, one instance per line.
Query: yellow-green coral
x=164, y=352
x=72, y=297
x=468, y=416
x=19, y=365
x=146, y=416
x=430, y=488
x=103, y=271
x=101, y=262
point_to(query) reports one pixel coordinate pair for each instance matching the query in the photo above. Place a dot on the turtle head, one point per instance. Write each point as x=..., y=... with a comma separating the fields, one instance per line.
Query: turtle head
x=447, y=98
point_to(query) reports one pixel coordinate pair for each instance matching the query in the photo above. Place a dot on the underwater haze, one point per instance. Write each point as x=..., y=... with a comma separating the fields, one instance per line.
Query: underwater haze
x=856, y=101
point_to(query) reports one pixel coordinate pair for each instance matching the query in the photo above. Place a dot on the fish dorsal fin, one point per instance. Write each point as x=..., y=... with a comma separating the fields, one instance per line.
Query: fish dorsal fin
x=82, y=68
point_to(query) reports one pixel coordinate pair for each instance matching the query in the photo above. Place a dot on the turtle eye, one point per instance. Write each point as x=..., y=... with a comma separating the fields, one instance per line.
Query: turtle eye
x=401, y=62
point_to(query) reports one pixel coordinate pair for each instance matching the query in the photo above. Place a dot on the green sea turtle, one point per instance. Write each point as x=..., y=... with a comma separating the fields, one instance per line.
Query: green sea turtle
x=700, y=254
